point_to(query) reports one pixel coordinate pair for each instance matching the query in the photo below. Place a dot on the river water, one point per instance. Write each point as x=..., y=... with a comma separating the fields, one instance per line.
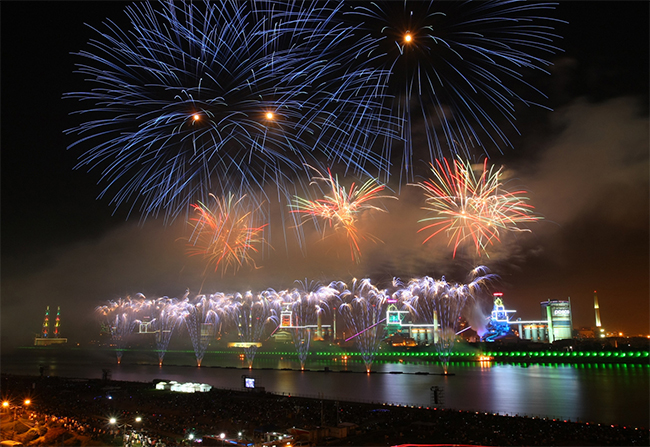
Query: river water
x=595, y=393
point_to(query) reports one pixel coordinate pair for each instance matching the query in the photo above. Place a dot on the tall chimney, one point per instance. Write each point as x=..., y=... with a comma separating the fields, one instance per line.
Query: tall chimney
x=597, y=310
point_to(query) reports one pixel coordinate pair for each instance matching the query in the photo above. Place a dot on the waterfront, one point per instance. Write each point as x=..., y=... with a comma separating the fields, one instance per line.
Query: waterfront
x=588, y=392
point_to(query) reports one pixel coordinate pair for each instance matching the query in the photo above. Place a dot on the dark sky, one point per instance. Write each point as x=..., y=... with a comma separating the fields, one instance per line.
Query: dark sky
x=585, y=165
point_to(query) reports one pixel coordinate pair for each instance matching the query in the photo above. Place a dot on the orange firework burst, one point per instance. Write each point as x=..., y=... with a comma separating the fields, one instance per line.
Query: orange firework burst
x=225, y=235
x=472, y=208
x=341, y=209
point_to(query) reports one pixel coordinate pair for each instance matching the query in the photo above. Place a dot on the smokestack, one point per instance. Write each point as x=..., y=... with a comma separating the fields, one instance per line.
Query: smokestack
x=46, y=323
x=57, y=322
x=597, y=310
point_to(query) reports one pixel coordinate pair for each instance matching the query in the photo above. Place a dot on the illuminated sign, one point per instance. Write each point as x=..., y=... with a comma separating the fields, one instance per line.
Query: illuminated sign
x=563, y=312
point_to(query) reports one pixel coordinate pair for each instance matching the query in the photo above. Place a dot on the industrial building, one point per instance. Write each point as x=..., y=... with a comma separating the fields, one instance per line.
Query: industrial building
x=556, y=323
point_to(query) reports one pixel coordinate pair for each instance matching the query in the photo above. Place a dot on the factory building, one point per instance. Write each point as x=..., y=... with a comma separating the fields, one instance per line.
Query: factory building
x=556, y=323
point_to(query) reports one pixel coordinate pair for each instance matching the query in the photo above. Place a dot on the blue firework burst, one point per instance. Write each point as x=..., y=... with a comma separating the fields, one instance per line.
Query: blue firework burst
x=194, y=99
x=455, y=68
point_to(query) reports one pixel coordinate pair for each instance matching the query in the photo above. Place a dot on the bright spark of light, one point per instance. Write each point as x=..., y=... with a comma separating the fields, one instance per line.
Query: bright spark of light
x=225, y=235
x=471, y=208
x=341, y=208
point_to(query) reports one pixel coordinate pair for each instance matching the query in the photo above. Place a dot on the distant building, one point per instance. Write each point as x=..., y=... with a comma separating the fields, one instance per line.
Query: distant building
x=586, y=332
x=556, y=323
x=187, y=387
x=399, y=324
x=559, y=319
x=288, y=322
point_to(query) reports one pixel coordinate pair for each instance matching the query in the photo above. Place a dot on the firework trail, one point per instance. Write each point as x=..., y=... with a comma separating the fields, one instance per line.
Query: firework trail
x=307, y=302
x=166, y=318
x=225, y=235
x=364, y=310
x=455, y=68
x=120, y=317
x=472, y=208
x=341, y=209
x=251, y=314
x=201, y=316
x=439, y=303
x=227, y=96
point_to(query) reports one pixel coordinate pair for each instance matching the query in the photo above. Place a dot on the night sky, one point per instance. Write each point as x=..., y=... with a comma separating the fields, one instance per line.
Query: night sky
x=585, y=165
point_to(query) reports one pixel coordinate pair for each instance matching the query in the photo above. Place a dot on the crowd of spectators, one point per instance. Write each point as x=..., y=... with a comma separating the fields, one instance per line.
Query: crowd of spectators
x=85, y=407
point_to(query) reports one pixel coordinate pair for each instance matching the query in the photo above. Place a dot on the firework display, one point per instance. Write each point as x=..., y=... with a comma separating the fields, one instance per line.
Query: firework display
x=119, y=316
x=340, y=209
x=364, y=309
x=439, y=303
x=193, y=98
x=166, y=319
x=225, y=235
x=251, y=314
x=252, y=318
x=201, y=318
x=304, y=305
x=471, y=208
x=454, y=68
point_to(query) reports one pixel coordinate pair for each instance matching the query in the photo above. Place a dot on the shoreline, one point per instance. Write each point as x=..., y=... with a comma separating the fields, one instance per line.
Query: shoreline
x=232, y=411
x=533, y=357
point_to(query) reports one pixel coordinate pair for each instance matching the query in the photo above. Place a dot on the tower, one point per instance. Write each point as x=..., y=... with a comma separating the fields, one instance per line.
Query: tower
x=57, y=321
x=46, y=338
x=46, y=323
x=597, y=310
x=599, y=332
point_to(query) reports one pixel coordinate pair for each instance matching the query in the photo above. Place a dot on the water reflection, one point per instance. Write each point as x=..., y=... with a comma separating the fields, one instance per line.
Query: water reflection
x=535, y=390
x=592, y=392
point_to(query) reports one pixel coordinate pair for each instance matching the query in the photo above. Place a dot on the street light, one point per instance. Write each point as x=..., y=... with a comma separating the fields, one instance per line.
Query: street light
x=26, y=403
x=123, y=427
x=5, y=406
x=222, y=436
